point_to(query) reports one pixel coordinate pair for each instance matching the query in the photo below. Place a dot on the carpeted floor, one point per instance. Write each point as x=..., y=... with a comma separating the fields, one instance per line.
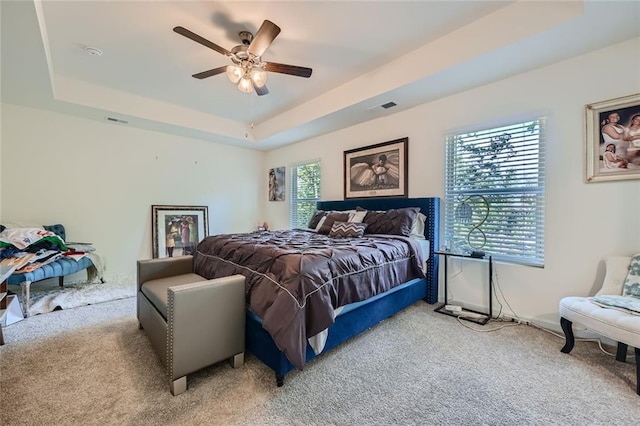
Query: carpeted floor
x=93, y=366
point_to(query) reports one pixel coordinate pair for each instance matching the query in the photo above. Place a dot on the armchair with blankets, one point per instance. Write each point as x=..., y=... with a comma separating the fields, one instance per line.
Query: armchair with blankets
x=42, y=252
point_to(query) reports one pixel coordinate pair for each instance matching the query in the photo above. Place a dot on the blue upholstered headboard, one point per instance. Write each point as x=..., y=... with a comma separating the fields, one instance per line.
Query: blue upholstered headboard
x=429, y=206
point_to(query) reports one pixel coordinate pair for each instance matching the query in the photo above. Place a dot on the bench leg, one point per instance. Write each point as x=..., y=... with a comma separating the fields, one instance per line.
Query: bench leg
x=237, y=360
x=178, y=386
x=26, y=289
x=61, y=280
x=568, y=334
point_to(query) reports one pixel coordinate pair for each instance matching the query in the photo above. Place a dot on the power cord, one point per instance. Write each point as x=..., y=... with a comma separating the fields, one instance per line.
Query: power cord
x=519, y=321
x=486, y=330
x=598, y=341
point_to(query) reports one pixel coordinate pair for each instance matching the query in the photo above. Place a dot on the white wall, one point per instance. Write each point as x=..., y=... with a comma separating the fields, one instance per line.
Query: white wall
x=584, y=222
x=100, y=180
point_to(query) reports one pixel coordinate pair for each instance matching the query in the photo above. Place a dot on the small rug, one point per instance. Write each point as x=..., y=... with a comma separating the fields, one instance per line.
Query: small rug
x=48, y=297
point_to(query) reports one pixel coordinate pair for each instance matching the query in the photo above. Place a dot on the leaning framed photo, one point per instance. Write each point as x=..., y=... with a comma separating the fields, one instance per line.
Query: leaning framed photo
x=176, y=230
x=378, y=170
x=613, y=139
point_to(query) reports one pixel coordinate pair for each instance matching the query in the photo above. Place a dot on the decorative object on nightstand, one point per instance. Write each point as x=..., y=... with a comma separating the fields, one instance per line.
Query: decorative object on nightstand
x=464, y=212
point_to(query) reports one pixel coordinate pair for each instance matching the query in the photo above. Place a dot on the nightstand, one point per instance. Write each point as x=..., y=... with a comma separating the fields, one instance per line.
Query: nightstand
x=482, y=317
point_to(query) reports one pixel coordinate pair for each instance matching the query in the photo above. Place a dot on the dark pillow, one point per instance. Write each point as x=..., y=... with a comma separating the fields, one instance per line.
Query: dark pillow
x=315, y=219
x=57, y=229
x=347, y=229
x=393, y=221
x=332, y=217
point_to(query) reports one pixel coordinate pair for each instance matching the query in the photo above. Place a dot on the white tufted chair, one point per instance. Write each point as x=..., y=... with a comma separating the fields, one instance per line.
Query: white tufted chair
x=618, y=325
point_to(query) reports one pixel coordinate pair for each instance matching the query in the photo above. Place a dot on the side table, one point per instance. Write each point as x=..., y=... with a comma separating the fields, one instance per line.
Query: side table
x=483, y=317
x=5, y=273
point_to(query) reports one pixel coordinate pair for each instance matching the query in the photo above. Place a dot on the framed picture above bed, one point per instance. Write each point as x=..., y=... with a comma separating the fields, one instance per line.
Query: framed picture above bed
x=176, y=230
x=613, y=139
x=378, y=170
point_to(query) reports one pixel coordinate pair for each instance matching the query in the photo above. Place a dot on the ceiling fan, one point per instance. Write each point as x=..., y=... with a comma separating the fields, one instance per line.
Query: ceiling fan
x=248, y=69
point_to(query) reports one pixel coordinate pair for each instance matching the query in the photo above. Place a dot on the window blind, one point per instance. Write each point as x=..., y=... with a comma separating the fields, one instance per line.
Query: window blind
x=305, y=192
x=495, y=192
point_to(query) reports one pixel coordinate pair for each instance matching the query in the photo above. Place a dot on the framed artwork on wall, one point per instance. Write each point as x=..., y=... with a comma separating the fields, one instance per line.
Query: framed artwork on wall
x=378, y=170
x=176, y=230
x=613, y=139
x=276, y=184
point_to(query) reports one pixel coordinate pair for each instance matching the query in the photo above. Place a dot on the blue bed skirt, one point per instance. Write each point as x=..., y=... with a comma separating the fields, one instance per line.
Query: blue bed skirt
x=353, y=320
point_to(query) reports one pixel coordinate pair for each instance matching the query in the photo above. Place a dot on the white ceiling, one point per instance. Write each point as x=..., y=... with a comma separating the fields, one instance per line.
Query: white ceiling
x=363, y=54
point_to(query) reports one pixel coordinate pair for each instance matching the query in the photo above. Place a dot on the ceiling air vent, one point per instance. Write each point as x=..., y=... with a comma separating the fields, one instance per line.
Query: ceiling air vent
x=116, y=120
x=388, y=105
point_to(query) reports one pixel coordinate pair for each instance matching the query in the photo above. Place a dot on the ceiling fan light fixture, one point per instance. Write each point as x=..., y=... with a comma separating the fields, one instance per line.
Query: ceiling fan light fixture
x=234, y=73
x=258, y=76
x=245, y=85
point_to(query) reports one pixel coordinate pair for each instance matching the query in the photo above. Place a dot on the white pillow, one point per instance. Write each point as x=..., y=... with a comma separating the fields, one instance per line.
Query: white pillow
x=616, y=272
x=319, y=225
x=417, y=229
x=357, y=216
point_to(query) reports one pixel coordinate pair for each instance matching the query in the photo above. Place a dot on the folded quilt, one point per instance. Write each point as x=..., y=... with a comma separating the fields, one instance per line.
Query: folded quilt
x=628, y=304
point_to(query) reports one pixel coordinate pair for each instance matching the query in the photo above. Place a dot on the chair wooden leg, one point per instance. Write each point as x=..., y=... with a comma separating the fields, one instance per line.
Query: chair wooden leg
x=637, y=350
x=621, y=353
x=568, y=333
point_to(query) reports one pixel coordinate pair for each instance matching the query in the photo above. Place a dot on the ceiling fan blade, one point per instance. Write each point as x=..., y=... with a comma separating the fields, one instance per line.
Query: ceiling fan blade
x=203, y=41
x=264, y=37
x=210, y=73
x=261, y=91
x=288, y=69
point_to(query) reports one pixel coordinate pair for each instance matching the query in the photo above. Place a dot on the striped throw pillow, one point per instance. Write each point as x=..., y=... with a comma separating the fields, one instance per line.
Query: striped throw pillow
x=347, y=229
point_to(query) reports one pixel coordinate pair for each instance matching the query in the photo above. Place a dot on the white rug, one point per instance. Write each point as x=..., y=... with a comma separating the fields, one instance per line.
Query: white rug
x=47, y=297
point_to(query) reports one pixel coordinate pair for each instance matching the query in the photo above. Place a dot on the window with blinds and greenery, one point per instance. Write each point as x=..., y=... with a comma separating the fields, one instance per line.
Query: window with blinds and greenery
x=495, y=190
x=305, y=192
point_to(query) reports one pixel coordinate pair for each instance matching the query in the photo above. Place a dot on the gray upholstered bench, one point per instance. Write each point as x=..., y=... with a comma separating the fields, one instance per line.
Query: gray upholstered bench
x=191, y=322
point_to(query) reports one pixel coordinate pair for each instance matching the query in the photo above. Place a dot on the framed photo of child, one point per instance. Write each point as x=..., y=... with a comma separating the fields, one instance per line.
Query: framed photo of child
x=613, y=139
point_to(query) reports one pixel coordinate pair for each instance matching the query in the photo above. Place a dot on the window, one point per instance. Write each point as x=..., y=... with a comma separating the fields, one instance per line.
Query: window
x=494, y=192
x=305, y=192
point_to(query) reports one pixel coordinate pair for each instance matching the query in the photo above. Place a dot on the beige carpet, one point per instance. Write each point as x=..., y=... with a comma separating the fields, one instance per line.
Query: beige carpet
x=418, y=367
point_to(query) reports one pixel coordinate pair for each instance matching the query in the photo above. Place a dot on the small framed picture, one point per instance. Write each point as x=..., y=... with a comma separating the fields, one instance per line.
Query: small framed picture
x=378, y=170
x=176, y=230
x=276, y=184
x=613, y=139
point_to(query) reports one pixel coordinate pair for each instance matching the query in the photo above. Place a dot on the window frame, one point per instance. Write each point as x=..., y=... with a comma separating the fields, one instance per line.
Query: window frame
x=294, y=200
x=518, y=191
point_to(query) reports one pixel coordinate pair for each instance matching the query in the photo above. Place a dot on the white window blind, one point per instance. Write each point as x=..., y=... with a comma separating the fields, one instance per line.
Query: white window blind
x=305, y=192
x=495, y=191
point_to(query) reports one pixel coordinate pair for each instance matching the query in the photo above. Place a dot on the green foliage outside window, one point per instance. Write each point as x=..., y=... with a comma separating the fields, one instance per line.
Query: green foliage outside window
x=305, y=192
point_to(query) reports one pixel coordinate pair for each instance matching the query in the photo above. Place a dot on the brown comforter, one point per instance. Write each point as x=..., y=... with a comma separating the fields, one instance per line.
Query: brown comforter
x=296, y=278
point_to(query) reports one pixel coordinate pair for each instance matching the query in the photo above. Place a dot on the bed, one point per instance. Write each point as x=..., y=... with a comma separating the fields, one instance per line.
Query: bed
x=308, y=293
